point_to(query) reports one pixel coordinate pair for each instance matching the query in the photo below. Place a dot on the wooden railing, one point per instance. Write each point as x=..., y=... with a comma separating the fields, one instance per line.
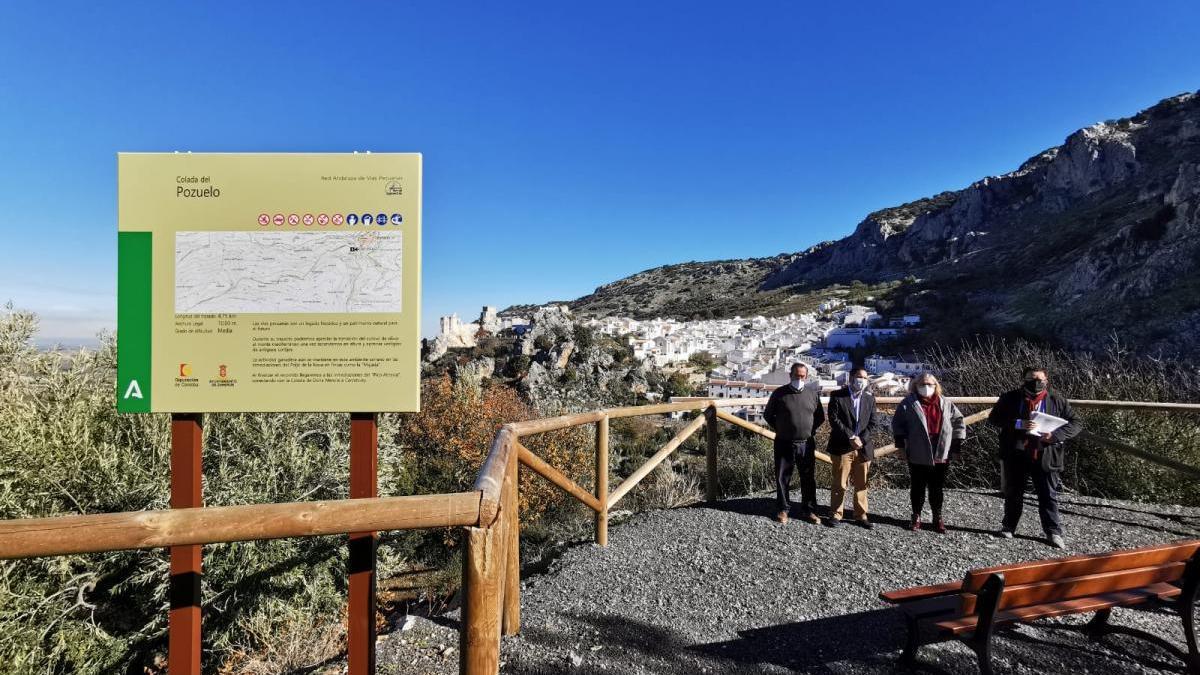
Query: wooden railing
x=495, y=589
x=488, y=512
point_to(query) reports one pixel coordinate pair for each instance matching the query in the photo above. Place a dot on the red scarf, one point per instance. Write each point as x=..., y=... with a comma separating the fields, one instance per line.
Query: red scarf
x=1032, y=404
x=932, y=407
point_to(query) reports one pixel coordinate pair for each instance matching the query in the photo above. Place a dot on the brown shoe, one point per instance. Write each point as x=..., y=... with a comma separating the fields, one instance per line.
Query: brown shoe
x=781, y=517
x=939, y=526
x=915, y=525
x=812, y=518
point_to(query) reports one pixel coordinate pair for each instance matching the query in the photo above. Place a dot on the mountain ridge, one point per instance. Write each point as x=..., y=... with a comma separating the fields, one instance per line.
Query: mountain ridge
x=1089, y=238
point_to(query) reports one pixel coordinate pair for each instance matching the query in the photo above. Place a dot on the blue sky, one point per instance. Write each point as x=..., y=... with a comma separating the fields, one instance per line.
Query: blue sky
x=566, y=144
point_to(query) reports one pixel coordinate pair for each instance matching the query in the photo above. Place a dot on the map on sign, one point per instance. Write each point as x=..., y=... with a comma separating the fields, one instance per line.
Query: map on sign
x=288, y=272
x=264, y=282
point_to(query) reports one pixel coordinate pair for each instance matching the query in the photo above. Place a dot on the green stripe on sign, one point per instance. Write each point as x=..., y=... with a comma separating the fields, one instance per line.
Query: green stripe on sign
x=135, y=258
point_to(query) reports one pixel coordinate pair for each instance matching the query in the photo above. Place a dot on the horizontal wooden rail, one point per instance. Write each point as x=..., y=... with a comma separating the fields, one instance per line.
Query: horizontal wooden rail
x=762, y=431
x=879, y=452
x=1138, y=452
x=645, y=469
x=65, y=535
x=541, y=468
x=968, y=420
x=960, y=400
x=529, y=427
x=1137, y=405
x=747, y=425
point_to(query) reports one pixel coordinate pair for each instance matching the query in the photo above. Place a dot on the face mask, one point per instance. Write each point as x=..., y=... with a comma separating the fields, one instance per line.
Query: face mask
x=797, y=383
x=1035, y=386
x=858, y=384
x=925, y=390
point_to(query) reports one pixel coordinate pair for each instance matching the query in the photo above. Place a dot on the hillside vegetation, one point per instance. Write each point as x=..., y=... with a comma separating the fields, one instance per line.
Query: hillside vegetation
x=278, y=606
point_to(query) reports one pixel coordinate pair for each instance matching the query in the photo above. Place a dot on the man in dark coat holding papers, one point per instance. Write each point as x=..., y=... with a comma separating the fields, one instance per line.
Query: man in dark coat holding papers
x=1029, y=450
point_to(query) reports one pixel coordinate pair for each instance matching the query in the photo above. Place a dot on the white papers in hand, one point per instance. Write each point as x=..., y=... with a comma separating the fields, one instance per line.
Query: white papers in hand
x=1046, y=424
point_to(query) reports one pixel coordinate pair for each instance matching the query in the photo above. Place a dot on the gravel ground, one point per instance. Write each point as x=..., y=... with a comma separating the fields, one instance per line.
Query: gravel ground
x=722, y=588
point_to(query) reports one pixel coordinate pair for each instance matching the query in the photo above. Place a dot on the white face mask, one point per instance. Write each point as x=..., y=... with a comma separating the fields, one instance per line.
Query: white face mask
x=799, y=384
x=858, y=384
x=925, y=390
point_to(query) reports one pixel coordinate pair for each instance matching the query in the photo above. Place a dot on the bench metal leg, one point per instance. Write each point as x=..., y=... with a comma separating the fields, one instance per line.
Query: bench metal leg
x=983, y=650
x=1098, y=626
x=1187, y=610
x=1189, y=630
x=986, y=605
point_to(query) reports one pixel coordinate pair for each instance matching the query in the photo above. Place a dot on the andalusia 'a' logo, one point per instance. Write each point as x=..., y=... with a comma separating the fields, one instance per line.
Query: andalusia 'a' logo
x=133, y=390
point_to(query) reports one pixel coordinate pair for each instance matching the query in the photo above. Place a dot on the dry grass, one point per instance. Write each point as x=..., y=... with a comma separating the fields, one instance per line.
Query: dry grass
x=288, y=644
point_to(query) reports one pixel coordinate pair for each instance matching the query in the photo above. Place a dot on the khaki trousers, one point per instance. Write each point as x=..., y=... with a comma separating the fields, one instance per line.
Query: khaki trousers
x=849, y=468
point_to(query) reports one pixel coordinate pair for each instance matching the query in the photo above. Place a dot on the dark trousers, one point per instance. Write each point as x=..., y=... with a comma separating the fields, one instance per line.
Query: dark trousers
x=801, y=456
x=1017, y=470
x=931, y=479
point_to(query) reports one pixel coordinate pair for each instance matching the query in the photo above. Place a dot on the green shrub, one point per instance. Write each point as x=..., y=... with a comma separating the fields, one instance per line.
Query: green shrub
x=65, y=450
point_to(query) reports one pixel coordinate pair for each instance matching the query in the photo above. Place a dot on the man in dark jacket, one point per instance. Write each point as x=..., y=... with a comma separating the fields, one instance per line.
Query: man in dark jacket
x=794, y=412
x=1027, y=453
x=852, y=418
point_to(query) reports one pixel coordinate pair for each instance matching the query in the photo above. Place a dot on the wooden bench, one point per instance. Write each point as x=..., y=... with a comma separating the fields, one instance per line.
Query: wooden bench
x=971, y=610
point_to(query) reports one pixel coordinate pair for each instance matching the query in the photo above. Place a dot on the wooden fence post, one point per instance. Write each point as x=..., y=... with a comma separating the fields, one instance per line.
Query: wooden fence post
x=480, y=634
x=712, y=435
x=184, y=620
x=364, y=482
x=602, y=480
x=511, y=621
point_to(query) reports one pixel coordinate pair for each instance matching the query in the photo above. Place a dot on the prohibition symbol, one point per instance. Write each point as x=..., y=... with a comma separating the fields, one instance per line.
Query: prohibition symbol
x=308, y=219
x=322, y=220
x=293, y=219
x=278, y=219
x=264, y=219
x=338, y=218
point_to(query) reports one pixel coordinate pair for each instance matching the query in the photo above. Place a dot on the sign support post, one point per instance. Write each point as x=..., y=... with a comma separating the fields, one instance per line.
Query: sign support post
x=269, y=282
x=184, y=621
x=364, y=482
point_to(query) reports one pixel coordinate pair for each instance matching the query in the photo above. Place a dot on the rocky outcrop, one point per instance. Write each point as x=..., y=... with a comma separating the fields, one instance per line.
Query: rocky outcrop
x=1092, y=163
x=1097, y=236
x=567, y=374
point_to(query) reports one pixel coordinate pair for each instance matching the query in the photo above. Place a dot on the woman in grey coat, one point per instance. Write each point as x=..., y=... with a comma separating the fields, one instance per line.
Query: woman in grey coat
x=929, y=430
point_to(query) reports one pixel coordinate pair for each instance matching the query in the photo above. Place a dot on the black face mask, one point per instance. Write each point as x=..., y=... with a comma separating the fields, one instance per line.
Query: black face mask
x=1035, y=386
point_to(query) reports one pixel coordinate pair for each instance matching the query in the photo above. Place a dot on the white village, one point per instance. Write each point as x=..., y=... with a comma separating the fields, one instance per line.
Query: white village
x=750, y=356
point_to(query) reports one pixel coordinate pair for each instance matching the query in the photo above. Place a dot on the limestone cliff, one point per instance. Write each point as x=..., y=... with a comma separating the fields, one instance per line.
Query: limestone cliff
x=1099, y=236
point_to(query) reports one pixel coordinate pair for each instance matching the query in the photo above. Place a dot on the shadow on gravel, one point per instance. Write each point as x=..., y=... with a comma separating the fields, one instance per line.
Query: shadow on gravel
x=625, y=641
x=808, y=645
x=1166, y=517
x=903, y=524
x=1105, y=648
x=763, y=507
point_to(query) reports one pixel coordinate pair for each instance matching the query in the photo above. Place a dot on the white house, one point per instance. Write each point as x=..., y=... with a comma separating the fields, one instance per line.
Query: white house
x=879, y=364
x=858, y=337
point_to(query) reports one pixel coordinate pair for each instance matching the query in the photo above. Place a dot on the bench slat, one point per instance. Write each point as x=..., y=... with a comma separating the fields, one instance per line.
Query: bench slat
x=1078, y=566
x=964, y=624
x=1057, y=590
x=921, y=592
